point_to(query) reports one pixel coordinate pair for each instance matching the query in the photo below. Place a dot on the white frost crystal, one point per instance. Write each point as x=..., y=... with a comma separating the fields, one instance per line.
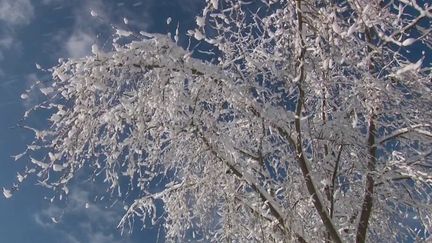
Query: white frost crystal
x=93, y=13
x=7, y=193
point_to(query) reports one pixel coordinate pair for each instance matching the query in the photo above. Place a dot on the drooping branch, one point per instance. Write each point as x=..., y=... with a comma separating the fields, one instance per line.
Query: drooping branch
x=275, y=208
x=142, y=100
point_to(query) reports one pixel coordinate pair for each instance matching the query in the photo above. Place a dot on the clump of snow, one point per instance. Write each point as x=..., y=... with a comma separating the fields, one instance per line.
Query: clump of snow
x=95, y=49
x=47, y=90
x=20, y=177
x=124, y=33
x=198, y=35
x=200, y=21
x=410, y=67
x=24, y=96
x=215, y=4
x=7, y=193
x=408, y=41
x=57, y=167
x=93, y=13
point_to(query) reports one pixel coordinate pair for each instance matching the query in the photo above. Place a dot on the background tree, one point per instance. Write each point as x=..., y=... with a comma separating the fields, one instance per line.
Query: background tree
x=309, y=122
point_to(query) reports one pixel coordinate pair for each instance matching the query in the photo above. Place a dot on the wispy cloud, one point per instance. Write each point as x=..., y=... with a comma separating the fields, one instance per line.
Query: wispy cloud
x=79, y=44
x=13, y=13
x=85, y=29
x=82, y=220
x=16, y=12
x=47, y=2
x=88, y=30
x=5, y=43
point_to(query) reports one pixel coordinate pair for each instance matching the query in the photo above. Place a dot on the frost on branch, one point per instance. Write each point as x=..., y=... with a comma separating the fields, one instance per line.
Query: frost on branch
x=311, y=124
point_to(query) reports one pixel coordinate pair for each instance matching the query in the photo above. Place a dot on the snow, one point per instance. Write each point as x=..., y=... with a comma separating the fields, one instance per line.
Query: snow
x=93, y=13
x=124, y=33
x=353, y=28
x=66, y=190
x=215, y=3
x=20, y=177
x=39, y=163
x=410, y=67
x=198, y=35
x=354, y=120
x=336, y=28
x=57, y=167
x=24, y=96
x=7, y=193
x=200, y=21
x=95, y=49
x=47, y=90
x=18, y=156
x=169, y=102
x=408, y=41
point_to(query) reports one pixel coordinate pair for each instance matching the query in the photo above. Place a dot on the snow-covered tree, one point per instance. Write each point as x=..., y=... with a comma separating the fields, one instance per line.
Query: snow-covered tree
x=309, y=121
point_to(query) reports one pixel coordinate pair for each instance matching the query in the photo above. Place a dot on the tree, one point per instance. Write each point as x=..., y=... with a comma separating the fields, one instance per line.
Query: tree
x=309, y=122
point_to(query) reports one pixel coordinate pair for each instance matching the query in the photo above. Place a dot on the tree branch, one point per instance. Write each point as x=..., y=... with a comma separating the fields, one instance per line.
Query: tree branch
x=333, y=181
x=366, y=210
x=405, y=130
x=275, y=209
x=302, y=160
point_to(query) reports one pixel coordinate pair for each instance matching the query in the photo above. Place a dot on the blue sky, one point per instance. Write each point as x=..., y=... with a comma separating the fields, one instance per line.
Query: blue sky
x=42, y=31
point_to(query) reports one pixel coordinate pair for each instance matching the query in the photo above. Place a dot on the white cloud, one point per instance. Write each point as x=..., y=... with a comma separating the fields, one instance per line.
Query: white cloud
x=88, y=30
x=79, y=44
x=16, y=12
x=6, y=42
x=96, y=224
x=13, y=13
x=85, y=29
x=47, y=2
